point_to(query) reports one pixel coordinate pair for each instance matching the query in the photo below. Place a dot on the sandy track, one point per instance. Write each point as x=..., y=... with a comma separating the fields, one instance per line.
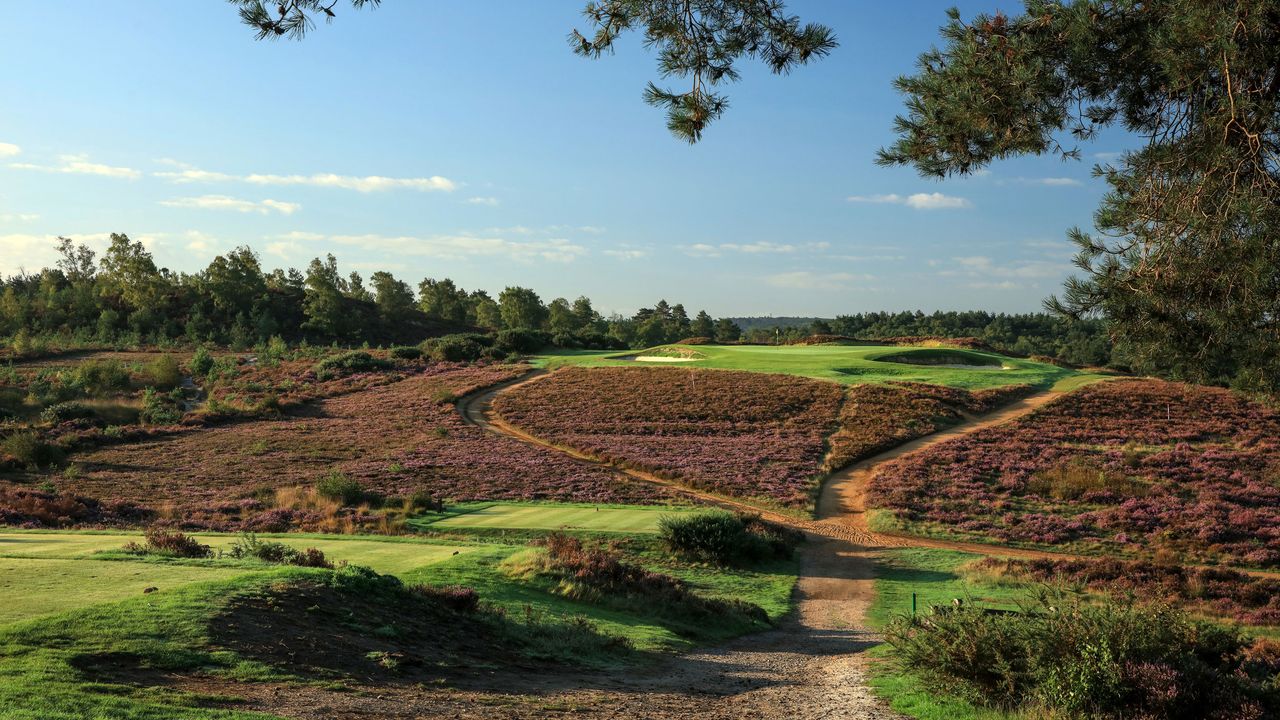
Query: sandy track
x=813, y=665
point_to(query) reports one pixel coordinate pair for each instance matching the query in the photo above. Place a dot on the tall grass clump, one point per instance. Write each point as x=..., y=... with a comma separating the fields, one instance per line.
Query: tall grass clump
x=100, y=377
x=1062, y=657
x=164, y=372
x=726, y=538
x=30, y=451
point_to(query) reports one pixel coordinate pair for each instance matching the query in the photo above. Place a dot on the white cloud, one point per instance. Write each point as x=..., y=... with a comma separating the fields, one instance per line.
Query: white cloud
x=1004, y=285
x=623, y=254
x=490, y=201
x=226, y=202
x=9, y=149
x=1050, y=181
x=187, y=173
x=31, y=252
x=806, y=280
x=981, y=266
x=456, y=247
x=369, y=183
x=918, y=201
x=1108, y=156
x=753, y=248
x=80, y=165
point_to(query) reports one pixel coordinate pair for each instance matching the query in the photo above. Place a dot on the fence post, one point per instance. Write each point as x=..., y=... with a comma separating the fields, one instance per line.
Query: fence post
x=913, y=604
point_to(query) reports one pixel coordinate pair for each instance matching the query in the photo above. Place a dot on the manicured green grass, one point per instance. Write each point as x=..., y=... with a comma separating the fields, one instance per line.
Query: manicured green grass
x=31, y=588
x=384, y=554
x=568, y=517
x=43, y=573
x=848, y=364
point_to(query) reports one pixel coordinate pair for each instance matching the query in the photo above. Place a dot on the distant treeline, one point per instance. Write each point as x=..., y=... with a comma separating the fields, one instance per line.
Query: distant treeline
x=1083, y=342
x=123, y=298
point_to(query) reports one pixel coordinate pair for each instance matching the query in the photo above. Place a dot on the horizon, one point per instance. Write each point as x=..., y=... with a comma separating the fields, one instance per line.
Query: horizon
x=583, y=193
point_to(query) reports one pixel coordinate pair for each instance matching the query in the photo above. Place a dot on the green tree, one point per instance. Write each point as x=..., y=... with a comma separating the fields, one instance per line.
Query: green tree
x=322, y=303
x=560, y=317
x=485, y=312
x=727, y=330
x=442, y=300
x=703, y=325
x=235, y=281
x=521, y=309
x=586, y=315
x=128, y=272
x=1185, y=261
x=393, y=297
x=700, y=40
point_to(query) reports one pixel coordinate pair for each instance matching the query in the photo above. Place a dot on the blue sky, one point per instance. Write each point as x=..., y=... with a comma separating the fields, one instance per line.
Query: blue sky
x=465, y=140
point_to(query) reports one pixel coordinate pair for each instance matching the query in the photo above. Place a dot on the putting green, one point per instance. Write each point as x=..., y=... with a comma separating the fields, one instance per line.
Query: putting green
x=560, y=517
x=848, y=364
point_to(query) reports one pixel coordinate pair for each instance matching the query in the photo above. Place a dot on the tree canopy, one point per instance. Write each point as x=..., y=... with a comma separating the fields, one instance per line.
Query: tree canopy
x=1185, y=260
x=695, y=39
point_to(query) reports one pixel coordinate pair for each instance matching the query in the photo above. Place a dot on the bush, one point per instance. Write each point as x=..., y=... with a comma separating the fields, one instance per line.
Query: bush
x=348, y=363
x=454, y=348
x=726, y=538
x=521, y=342
x=406, y=352
x=1111, y=659
x=163, y=372
x=249, y=546
x=161, y=408
x=170, y=544
x=455, y=597
x=62, y=412
x=339, y=487
x=29, y=450
x=201, y=362
x=99, y=377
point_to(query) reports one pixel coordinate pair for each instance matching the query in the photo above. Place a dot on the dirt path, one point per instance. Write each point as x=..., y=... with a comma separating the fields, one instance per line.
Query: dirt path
x=813, y=665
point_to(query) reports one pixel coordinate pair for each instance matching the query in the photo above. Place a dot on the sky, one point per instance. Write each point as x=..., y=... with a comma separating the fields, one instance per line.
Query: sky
x=465, y=140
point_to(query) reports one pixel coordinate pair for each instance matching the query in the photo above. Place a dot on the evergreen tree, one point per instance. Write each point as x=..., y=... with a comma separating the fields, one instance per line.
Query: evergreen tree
x=1185, y=263
x=702, y=325
x=322, y=303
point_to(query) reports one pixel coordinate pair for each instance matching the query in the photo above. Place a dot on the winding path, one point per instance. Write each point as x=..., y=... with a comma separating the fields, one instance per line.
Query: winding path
x=813, y=665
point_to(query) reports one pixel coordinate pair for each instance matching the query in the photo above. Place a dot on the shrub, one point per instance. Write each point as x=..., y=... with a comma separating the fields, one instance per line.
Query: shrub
x=1078, y=477
x=454, y=348
x=159, y=541
x=29, y=450
x=339, y=487
x=1088, y=660
x=201, y=362
x=456, y=597
x=161, y=408
x=249, y=546
x=163, y=372
x=348, y=363
x=100, y=376
x=725, y=538
x=64, y=411
x=406, y=352
x=521, y=341
x=599, y=575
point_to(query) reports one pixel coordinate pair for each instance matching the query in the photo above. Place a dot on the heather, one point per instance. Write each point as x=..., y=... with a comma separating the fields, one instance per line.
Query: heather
x=394, y=439
x=876, y=417
x=1061, y=657
x=738, y=433
x=1128, y=467
x=1218, y=592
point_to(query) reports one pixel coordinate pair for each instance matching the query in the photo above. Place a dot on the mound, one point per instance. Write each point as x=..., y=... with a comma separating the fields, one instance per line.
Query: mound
x=935, y=357
x=1131, y=467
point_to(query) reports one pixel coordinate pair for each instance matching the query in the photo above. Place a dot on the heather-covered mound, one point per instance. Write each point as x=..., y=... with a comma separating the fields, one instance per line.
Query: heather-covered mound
x=396, y=439
x=875, y=418
x=740, y=433
x=1140, y=466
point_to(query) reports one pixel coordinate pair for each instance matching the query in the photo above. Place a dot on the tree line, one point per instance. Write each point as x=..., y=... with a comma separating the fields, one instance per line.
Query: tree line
x=124, y=298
